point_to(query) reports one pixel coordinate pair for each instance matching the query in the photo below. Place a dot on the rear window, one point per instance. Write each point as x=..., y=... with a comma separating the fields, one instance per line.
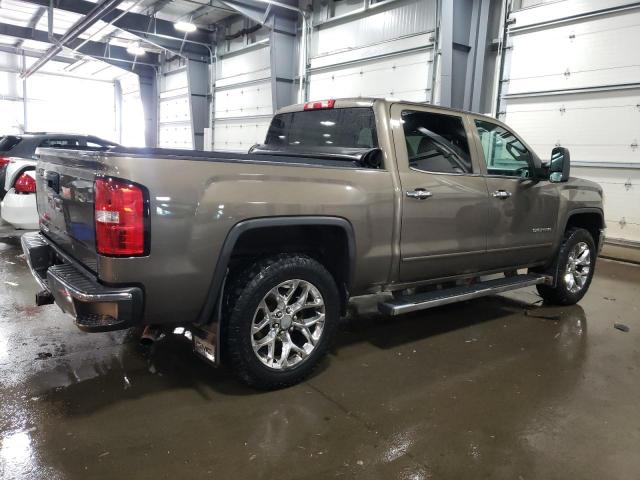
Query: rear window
x=8, y=142
x=340, y=127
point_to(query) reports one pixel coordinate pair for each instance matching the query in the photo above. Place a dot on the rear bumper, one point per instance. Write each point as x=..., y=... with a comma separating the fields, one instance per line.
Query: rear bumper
x=95, y=307
x=20, y=210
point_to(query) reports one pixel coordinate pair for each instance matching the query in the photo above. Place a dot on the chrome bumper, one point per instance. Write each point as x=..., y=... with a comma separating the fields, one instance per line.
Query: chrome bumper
x=95, y=307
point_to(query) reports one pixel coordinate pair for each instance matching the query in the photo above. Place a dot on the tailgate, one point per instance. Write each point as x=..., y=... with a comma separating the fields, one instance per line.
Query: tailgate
x=65, y=197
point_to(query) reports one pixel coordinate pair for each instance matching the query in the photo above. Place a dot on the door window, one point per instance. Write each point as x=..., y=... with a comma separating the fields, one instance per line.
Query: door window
x=504, y=154
x=436, y=142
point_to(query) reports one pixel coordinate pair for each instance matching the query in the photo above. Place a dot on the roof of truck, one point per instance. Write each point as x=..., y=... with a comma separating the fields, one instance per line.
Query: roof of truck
x=352, y=102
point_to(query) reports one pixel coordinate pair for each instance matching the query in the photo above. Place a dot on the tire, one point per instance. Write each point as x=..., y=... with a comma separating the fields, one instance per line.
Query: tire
x=570, y=282
x=252, y=300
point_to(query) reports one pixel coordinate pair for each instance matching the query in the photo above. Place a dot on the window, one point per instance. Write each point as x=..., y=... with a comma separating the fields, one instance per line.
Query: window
x=504, y=154
x=340, y=127
x=60, y=143
x=8, y=142
x=436, y=142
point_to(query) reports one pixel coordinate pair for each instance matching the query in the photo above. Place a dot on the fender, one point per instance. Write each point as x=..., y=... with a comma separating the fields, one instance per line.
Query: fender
x=213, y=303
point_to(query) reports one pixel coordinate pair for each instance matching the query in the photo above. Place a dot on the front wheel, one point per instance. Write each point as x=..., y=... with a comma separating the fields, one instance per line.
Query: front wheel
x=574, y=268
x=281, y=314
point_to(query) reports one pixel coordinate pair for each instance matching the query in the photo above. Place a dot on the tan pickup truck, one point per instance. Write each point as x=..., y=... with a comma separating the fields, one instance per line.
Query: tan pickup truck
x=257, y=254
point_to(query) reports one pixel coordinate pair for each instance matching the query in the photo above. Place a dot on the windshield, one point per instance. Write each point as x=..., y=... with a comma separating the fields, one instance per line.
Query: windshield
x=340, y=127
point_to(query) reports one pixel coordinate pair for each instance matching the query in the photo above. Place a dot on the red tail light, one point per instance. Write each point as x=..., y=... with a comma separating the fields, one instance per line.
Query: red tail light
x=120, y=217
x=4, y=161
x=323, y=104
x=25, y=184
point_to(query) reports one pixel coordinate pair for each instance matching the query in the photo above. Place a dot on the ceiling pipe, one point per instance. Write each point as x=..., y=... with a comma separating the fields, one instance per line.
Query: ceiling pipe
x=74, y=32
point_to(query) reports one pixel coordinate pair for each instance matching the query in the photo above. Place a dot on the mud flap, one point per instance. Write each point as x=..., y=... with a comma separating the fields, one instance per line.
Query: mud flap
x=205, y=345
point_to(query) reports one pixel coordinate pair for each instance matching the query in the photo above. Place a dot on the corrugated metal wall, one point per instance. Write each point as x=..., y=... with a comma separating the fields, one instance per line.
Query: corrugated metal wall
x=572, y=78
x=384, y=51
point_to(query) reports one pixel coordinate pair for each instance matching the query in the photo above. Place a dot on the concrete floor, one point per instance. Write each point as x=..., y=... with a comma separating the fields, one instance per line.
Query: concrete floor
x=499, y=387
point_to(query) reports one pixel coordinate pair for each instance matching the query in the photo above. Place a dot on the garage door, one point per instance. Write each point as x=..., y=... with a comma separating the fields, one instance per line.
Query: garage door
x=572, y=78
x=386, y=52
x=243, y=99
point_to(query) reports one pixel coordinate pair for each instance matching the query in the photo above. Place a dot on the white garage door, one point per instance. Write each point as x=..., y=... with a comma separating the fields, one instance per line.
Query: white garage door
x=174, y=113
x=387, y=52
x=575, y=82
x=243, y=99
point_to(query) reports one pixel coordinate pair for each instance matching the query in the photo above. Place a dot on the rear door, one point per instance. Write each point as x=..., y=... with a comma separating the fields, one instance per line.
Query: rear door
x=522, y=211
x=444, y=196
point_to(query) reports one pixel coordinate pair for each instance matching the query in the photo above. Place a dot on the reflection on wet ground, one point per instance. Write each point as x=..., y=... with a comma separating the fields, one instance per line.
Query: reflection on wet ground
x=500, y=387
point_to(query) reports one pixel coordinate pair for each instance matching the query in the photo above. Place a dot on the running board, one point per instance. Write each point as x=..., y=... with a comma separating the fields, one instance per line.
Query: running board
x=422, y=301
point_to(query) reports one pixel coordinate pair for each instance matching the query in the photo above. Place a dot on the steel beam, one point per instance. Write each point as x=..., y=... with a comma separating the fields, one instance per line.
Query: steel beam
x=112, y=54
x=130, y=22
x=32, y=53
x=446, y=51
x=77, y=29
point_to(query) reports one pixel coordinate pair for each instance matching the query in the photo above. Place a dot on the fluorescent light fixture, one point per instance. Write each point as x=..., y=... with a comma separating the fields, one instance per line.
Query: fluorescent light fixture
x=187, y=27
x=136, y=50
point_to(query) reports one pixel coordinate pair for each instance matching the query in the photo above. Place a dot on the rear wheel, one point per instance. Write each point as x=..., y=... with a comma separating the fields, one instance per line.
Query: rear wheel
x=574, y=265
x=281, y=315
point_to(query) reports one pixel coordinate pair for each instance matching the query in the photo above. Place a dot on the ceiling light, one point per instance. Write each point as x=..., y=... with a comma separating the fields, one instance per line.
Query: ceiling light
x=136, y=50
x=187, y=27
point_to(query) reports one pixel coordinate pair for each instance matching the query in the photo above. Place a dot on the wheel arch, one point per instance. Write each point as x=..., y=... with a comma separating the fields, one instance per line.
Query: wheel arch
x=591, y=219
x=210, y=313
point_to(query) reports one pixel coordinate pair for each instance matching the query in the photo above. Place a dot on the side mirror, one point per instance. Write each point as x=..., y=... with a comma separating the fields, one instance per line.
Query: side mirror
x=560, y=165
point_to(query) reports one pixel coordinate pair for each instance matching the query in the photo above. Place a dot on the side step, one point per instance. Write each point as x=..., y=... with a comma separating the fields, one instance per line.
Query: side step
x=422, y=301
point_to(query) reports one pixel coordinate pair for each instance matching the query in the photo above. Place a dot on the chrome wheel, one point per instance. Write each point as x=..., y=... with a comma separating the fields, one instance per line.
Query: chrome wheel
x=578, y=267
x=288, y=324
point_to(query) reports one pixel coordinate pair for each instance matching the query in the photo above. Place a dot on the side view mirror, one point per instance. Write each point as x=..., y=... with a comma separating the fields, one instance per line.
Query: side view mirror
x=560, y=164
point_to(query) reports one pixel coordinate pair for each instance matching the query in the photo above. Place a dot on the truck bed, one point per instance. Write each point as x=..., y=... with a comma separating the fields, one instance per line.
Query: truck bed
x=194, y=200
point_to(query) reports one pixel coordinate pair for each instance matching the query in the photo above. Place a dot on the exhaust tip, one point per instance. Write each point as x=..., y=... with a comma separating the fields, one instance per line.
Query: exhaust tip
x=150, y=335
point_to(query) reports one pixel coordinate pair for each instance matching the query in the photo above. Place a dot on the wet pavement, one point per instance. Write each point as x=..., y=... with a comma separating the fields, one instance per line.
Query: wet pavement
x=499, y=387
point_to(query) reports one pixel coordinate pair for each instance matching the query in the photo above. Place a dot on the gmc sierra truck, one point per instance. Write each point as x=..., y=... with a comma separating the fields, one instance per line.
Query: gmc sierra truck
x=257, y=254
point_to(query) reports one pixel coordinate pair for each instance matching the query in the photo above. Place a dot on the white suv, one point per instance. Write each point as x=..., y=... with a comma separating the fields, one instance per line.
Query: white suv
x=17, y=167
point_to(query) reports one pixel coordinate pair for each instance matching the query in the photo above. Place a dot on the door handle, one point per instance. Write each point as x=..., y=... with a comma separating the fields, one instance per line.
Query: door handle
x=501, y=194
x=419, y=193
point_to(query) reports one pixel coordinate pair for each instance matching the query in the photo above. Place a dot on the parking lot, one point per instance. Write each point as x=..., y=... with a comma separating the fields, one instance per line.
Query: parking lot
x=499, y=387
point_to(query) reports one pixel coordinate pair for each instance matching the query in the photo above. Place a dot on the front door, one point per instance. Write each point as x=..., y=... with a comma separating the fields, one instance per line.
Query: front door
x=444, y=196
x=522, y=210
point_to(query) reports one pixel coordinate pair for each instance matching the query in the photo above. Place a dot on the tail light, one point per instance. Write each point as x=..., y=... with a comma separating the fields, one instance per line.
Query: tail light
x=4, y=161
x=120, y=213
x=25, y=183
x=321, y=105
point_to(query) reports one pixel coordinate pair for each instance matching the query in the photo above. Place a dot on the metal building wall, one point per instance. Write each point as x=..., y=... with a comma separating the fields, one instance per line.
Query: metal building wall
x=382, y=49
x=572, y=78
